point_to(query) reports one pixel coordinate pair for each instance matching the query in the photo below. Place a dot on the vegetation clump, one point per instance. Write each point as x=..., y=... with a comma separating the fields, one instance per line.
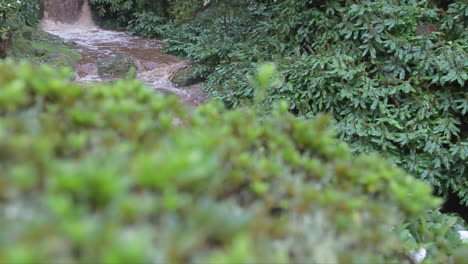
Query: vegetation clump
x=120, y=174
x=7, y=8
x=14, y=13
x=186, y=77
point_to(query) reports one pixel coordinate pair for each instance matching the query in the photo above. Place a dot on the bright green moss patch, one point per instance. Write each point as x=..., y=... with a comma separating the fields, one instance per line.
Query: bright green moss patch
x=120, y=174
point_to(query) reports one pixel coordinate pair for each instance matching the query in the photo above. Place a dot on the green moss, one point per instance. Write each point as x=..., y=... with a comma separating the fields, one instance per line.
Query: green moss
x=117, y=64
x=39, y=47
x=186, y=77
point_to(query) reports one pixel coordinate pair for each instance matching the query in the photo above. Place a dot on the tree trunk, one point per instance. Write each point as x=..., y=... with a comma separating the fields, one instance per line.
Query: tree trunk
x=4, y=44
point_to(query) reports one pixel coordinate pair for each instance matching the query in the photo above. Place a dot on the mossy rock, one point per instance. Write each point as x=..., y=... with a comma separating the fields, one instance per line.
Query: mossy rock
x=114, y=65
x=186, y=77
x=42, y=36
x=58, y=59
x=40, y=52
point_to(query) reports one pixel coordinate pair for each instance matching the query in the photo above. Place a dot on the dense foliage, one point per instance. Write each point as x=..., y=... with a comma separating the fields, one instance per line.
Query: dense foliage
x=7, y=8
x=392, y=73
x=14, y=14
x=393, y=76
x=120, y=174
x=30, y=11
x=124, y=10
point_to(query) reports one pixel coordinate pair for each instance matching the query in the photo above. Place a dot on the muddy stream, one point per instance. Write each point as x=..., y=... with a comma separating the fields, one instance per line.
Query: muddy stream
x=72, y=21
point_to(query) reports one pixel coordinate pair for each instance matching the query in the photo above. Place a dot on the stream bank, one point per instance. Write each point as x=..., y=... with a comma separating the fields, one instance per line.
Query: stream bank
x=108, y=54
x=40, y=47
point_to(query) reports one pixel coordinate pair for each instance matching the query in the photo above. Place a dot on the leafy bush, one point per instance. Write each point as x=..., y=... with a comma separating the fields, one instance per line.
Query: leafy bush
x=29, y=12
x=392, y=73
x=391, y=89
x=127, y=10
x=147, y=24
x=15, y=14
x=8, y=8
x=185, y=10
x=437, y=233
x=136, y=14
x=124, y=11
x=120, y=174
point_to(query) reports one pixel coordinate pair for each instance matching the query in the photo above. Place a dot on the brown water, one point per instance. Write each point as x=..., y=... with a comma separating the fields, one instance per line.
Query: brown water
x=71, y=20
x=63, y=11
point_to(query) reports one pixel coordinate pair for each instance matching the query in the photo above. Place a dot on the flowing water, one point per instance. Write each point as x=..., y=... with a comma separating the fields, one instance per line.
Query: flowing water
x=72, y=21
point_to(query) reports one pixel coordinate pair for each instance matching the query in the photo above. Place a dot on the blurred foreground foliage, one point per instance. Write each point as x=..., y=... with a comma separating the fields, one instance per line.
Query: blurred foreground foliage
x=120, y=174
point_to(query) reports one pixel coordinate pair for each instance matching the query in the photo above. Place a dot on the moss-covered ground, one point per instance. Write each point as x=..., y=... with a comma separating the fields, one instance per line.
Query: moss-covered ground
x=40, y=47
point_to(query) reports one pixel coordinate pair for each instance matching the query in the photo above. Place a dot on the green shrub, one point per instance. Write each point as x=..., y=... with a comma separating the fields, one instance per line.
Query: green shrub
x=392, y=73
x=186, y=10
x=437, y=233
x=124, y=11
x=8, y=9
x=391, y=89
x=29, y=12
x=119, y=174
x=147, y=24
x=15, y=19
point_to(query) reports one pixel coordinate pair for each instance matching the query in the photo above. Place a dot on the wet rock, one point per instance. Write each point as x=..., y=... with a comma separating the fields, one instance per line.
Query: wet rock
x=60, y=59
x=115, y=65
x=52, y=57
x=43, y=36
x=70, y=43
x=86, y=69
x=39, y=52
x=74, y=76
x=196, y=96
x=186, y=77
x=149, y=66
